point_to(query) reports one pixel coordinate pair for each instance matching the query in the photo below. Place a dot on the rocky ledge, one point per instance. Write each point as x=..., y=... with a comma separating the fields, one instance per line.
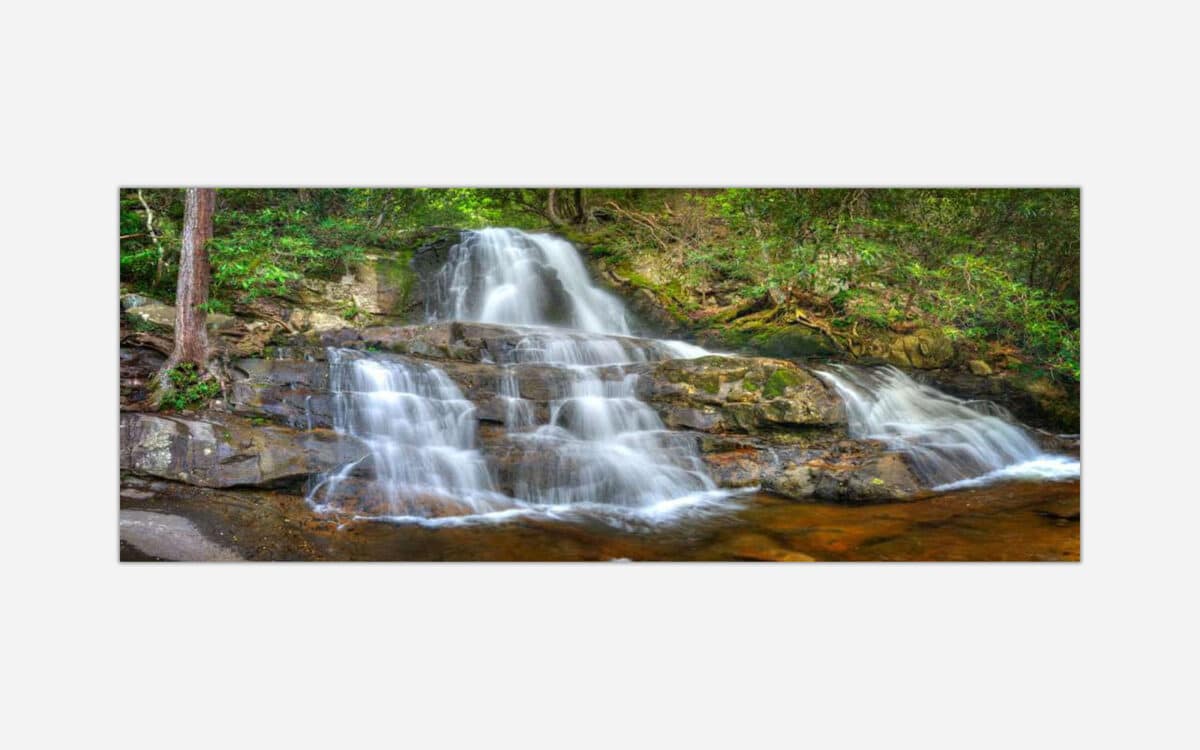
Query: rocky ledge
x=757, y=421
x=216, y=449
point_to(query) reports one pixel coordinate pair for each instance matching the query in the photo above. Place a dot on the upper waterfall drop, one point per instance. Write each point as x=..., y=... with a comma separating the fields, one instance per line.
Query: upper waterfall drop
x=501, y=275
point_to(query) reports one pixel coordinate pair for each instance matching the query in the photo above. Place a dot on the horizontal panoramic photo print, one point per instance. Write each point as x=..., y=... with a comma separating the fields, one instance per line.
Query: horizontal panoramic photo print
x=599, y=374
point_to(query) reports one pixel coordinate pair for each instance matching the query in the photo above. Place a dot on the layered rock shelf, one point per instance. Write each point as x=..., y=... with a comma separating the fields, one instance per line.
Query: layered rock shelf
x=758, y=422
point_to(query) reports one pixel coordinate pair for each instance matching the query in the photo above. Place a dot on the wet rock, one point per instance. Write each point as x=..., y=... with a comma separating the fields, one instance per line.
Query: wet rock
x=736, y=394
x=220, y=450
x=709, y=394
x=429, y=256
x=292, y=392
x=840, y=471
x=361, y=496
x=875, y=479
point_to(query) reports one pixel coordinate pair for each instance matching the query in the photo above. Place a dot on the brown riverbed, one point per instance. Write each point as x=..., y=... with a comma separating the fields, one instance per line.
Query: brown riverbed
x=1027, y=521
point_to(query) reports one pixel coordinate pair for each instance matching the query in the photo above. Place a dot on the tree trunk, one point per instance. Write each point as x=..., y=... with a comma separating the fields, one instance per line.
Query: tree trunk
x=191, y=337
x=552, y=209
x=580, y=213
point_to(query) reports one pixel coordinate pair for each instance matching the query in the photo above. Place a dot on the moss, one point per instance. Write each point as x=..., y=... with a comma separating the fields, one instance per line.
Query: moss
x=778, y=382
x=709, y=383
x=395, y=275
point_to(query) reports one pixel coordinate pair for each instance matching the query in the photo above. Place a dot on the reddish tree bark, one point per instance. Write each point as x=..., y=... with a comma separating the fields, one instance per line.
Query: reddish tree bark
x=191, y=336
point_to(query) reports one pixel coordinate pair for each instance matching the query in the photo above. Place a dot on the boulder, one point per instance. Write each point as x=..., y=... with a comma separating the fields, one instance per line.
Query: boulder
x=925, y=350
x=738, y=394
x=221, y=450
x=829, y=470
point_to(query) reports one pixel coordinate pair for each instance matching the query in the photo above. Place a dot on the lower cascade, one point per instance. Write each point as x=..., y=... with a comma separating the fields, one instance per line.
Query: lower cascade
x=421, y=435
x=603, y=445
x=949, y=442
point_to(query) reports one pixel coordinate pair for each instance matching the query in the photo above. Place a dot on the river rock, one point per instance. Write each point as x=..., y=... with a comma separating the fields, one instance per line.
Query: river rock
x=220, y=450
x=840, y=471
x=738, y=394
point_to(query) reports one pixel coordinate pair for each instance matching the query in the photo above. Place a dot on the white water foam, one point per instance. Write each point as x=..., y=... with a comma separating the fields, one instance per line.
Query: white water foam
x=949, y=443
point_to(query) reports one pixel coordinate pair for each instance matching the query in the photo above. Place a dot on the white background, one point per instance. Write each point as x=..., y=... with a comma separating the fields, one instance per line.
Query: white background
x=575, y=656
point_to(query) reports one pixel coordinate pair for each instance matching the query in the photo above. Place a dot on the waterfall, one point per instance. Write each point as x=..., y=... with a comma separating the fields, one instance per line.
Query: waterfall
x=507, y=276
x=601, y=446
x=949, y=442
x=421, y=434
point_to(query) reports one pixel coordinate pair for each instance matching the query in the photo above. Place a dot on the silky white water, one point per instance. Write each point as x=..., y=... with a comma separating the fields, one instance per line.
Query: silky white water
x=498, y=275
x=601, y=447
x=949, y=442
x=421, y=434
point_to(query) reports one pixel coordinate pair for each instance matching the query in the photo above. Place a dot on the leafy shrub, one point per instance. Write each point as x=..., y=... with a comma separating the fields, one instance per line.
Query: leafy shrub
x=189, y=389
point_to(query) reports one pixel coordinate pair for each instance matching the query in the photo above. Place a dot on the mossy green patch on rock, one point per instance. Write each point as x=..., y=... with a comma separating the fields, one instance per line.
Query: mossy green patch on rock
x=779, y=381
x=773, y=339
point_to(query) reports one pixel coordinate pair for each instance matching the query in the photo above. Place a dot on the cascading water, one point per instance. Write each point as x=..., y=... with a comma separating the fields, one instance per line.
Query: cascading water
x=949, y=442
x=421, y=435
x=601, y=445
x=507, y=276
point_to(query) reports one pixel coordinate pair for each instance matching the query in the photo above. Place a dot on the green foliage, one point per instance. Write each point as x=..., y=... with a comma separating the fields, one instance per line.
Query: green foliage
x=993, y=268
x=188, y=389
x=139, y=256
x=992, y=265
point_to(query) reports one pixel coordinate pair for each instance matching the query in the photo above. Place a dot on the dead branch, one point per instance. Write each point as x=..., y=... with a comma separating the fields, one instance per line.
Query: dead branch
x=160, y=267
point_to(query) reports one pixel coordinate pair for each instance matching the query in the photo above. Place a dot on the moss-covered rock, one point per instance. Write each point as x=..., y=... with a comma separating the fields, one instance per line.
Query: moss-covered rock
x=772, y=340
x=924, y=349
x=737, y=394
